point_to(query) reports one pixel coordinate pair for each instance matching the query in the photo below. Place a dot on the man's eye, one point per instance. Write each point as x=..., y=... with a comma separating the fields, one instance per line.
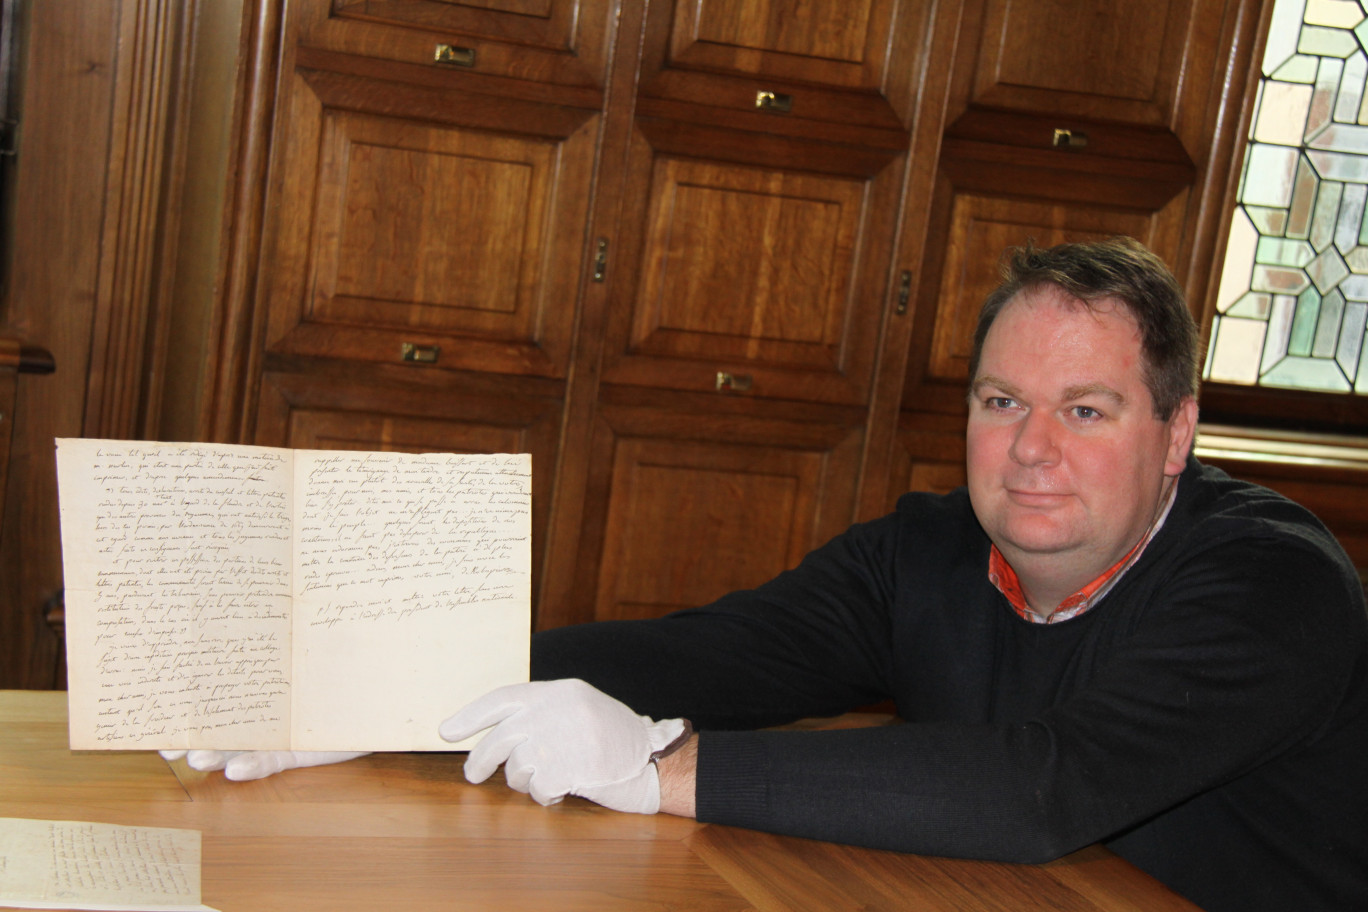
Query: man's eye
x=1087, y=413
x=1000, y=402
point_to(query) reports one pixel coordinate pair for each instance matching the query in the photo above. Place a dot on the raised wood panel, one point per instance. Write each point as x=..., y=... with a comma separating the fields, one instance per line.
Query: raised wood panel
x=980, y=230
x=689, y=507
x=766, y=272
x=549, y=41
x=928, y=455
x=1105, y=59
x=1087, y=67
x=850, y=61
x=396, y=230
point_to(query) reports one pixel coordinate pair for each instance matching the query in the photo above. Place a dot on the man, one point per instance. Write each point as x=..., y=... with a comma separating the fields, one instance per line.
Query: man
x=1099, y=639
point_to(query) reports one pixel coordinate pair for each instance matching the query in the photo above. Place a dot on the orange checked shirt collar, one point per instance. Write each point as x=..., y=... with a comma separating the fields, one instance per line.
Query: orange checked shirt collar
x=1001, y=575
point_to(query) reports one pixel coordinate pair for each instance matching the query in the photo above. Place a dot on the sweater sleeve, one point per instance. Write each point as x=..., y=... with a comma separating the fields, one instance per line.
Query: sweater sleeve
x=1240, y=657
x=814, y=641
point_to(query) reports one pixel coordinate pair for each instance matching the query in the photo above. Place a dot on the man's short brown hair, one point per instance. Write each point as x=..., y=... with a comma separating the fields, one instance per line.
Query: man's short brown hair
x=1122, y=269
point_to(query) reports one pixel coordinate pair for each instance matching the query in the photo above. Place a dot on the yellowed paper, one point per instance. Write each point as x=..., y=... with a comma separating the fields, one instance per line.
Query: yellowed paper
x=68, y=864
x=237, y=597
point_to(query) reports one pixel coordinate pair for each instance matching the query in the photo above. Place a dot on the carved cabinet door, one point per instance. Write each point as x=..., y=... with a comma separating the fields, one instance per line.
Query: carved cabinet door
x=432, y=173
x=1065, y=121
x=762, y=177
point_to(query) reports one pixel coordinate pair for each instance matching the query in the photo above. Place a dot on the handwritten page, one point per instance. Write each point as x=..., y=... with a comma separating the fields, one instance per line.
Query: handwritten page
x=238, y=597
x=68, y=864
x=411, y=569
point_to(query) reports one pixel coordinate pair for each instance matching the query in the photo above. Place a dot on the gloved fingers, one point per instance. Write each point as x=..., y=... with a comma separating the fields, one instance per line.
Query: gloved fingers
x=255, y=765
x=543, y=796
x=519, y=776
x=492, y=750
x=209, y=760
x=171, y=756
x=260, y=764
x=484, y=711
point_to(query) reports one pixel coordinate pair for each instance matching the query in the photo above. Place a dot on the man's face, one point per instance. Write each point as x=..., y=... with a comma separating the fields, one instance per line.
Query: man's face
x=1066, y=461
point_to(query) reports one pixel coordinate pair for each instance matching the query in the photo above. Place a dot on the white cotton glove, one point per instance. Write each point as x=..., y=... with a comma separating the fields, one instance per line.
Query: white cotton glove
x=558, y=738
x=243, y=765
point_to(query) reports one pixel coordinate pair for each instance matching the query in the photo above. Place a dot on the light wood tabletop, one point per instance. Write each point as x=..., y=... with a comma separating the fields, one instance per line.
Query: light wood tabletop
x=405, y=831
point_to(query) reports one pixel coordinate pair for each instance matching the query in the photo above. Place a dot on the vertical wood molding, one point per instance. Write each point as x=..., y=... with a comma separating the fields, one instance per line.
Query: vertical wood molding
x=69, y=60
x=140, y=197
x=233, y=357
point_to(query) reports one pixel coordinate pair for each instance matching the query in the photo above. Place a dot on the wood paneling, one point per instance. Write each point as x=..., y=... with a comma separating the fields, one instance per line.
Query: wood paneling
x=548, y=42
x=981, y=228
x=752, y=271
x=420, y=229
x=53, y=283
x=1146, y=64
x=1137, y=87
x=837, y=62
x=697, y=507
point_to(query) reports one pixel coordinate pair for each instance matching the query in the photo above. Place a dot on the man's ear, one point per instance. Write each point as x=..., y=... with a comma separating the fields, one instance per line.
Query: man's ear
x=1182, y=426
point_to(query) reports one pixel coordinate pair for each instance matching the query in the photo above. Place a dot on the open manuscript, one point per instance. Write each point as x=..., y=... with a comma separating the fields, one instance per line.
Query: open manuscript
x=241, y=597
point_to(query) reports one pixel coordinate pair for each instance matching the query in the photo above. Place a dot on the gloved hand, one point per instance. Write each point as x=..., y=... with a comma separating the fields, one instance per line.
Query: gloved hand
x=558, y=738
x=243, y=765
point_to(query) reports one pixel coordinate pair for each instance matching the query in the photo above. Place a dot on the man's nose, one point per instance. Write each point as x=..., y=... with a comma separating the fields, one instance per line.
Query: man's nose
x=1036, y=441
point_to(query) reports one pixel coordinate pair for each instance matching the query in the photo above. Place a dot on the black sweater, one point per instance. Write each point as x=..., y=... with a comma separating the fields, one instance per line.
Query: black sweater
x=1207, y=719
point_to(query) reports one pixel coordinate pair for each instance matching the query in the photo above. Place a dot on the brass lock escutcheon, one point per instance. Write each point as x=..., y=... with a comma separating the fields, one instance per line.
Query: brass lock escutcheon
x=774, y=101
x=1070, y=139
x=419, y=354
x=733, y=383
x=452, y=55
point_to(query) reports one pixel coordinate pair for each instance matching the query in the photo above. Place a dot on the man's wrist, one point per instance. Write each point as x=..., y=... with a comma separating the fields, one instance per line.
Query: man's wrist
x=677, y=778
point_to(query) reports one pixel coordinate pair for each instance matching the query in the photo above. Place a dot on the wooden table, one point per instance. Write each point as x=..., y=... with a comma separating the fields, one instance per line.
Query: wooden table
x=405, y=831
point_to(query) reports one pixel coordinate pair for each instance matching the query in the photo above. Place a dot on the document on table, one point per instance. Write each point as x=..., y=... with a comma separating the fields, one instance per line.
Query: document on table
x=72, y=864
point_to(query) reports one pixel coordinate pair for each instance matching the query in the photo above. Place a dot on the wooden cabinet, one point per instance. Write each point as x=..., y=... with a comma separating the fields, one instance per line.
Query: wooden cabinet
x=1065, y=121
x=714, y=264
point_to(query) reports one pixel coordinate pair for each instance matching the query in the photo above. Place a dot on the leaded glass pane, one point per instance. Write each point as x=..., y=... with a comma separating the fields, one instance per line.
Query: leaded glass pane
x=1267, y=221
x=1326, y=42
x=1280, y=252
x=1282, y=113
x=1292, y=305
x=1255, y=305
x=1327, y=270
x=1283, y=33
x=1350, y=221
x=1361, y=383
x=1269, y=175
x=1299, y=68
x=1344, y=14
x=1239, y=263
x=1304, y=323
x=1350, y=346
x=1323, y=96
x=1355, y=288
x=1351, y=89
x=1326, y=343
x=1234, y=356
x=1307, y=373
x=1279, y=280
x=1303, y=200
x=1327, y=212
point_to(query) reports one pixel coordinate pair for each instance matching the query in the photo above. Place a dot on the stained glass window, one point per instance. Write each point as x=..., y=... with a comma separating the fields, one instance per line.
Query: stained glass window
x=1292, y=308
